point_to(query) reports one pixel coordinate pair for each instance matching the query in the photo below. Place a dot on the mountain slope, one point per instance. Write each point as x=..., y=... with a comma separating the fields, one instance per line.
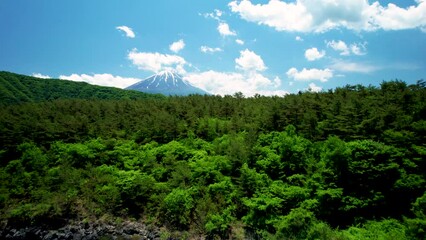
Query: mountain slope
x=16, y=88
x=167, y=83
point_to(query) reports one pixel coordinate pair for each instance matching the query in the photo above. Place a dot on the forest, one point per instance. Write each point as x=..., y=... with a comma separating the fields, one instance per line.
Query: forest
x=16, y=88
x=347, y=163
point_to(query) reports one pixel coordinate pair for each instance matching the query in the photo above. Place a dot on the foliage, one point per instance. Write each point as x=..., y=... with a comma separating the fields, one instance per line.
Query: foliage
x=177, y=206
x=343, y=164
x=15, y=89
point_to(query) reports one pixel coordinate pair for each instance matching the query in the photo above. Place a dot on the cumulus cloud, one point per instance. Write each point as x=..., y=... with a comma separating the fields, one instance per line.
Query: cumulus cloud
x=156, y=62
x=224, y=30
x=347, y=66
x=239, y=41
x=346, y=50
x=313, y=54
x=223, y=83
x=177, y=46
x=310, y=74
x=277, y=14
x=314, y=88
x=129, y=32
x=206, y=49
x=102, y=80
x=39, y=75
x=223, y=27
x=393, y=17
x=249, y=61
x=324, y=15
x=339, y=46
x=299, y=39
x=249, y=80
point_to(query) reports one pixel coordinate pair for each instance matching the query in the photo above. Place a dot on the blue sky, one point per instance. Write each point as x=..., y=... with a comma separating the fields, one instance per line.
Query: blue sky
x=266, y=47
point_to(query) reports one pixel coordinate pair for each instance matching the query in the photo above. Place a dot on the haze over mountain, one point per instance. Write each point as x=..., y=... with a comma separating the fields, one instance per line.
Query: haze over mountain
x=167, y=83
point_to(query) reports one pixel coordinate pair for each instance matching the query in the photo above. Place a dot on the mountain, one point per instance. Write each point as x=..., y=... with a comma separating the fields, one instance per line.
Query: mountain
x=167, y=83
x=16, y=88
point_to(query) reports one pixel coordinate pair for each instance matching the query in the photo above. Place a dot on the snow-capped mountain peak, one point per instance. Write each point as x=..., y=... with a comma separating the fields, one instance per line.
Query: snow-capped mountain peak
x=168, y=73
x=166, y=82
x=168, y=76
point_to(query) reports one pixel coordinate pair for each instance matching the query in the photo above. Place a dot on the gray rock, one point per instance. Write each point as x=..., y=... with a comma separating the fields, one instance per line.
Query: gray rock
x=80, y=230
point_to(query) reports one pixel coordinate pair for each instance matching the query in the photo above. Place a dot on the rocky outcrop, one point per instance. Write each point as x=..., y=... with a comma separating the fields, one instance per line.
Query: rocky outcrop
x=87, y=231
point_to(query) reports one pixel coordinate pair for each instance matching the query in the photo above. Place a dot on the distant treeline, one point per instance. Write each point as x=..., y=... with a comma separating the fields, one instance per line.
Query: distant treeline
x=394, y=113
x=15, y=88
x=348, y=163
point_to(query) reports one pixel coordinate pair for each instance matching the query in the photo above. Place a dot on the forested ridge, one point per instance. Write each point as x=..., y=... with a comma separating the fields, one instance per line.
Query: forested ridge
x=347, y=163
x=16, y=88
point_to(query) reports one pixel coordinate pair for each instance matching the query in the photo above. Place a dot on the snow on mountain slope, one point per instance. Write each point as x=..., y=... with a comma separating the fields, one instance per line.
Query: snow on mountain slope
x=167, y=83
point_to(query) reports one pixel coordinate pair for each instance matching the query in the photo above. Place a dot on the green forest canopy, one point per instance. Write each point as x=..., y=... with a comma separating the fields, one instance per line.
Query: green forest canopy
x=348, y=163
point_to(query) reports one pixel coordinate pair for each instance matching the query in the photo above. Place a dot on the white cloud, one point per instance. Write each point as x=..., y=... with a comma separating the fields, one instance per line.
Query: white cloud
x=344, y=66
x=393, y=17
x=324, y=15
x=102, y=79
x=222, y=83
x=218, y=12
x=299, y=38
x=249, y=81
x=339, y=46
x=217, y=82
x=346, y=50
x=313, y=54
x=277, y=82
x=129, y=32
x=206, y=49
x=239, y=41
x=279, y=93
x=224, y=30
x=310, y=74
x=39, y=75
x=223, y=27
x=156, y=62
x=215, y=15
x=314, y=88
x=277, y=14
x=358, y=48
x=249, y=61
x=177, y=46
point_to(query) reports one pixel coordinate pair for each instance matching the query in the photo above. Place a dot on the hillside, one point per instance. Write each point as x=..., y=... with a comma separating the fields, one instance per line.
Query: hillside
x=349, y=163
x=16, y=88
